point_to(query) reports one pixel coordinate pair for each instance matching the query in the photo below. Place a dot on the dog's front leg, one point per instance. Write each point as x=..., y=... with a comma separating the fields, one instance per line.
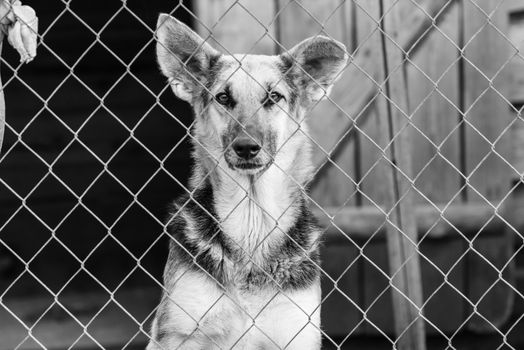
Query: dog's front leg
x=166, y=337
x=181, y=342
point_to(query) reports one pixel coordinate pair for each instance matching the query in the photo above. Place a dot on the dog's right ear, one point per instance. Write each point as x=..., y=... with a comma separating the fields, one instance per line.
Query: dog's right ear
x=184, y=57
x=316, y=64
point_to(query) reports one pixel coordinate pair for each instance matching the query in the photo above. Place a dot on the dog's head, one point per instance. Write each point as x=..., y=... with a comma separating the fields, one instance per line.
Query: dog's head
x=247, y=106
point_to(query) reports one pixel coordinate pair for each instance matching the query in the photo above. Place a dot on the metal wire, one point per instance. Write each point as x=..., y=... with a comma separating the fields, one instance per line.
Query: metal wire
x=80, y=197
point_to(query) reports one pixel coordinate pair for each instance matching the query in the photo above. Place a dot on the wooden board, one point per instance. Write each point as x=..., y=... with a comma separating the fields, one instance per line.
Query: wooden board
x=371, y=157
x=516, y=83
x=402, y=238
x=357, y=88
x=434, y=116
x=331, y=18
x=237, y=26
x=433, y=97
x=515, y=67
x=367, y=221
x=487, y=114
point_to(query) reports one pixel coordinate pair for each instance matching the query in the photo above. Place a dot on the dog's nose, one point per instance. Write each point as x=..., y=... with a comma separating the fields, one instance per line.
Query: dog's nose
x=246, y=148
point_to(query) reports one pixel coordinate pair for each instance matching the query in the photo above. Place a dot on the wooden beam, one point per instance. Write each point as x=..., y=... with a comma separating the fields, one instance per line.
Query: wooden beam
x=433, y=81
x=401, y=226
x=487, y=144
x=360, y=223
x=354, y=94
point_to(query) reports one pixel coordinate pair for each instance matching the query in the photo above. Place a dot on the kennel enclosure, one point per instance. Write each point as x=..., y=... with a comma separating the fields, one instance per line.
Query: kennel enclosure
x=95, y=148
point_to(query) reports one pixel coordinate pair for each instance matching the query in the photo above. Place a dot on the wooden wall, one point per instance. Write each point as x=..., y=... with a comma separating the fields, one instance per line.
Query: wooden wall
x=456, y=117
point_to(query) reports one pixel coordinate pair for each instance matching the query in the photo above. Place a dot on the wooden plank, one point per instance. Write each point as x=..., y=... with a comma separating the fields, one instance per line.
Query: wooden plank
x=517, y=137
x=237, y=27
x=356, y=94
x=433, y=72
x=372, y=185
x=492, y=266
x=362, y=222
x=516, y=65
x=487, y=114
x=330, y=18
x=403, y=254
x=516, y=81
x=516, y=85
x=357, y=88
x=433, y=117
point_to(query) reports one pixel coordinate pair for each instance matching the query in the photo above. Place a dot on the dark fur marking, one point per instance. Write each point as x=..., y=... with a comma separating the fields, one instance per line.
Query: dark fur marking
x=271, y=144
x=214, y=67
x=232, y=102
x=291, y=78
x=162, y=318
x=292, y=266
x=192, y=65
x=267, y=102
x=161, y=335
x=207, y=227
x=298, y=236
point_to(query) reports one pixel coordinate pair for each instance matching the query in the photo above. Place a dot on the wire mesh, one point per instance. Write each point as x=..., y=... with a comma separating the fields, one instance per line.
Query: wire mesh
x=70, y=150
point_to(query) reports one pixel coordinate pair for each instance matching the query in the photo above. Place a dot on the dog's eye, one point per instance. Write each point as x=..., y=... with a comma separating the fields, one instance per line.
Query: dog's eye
x=273, y=98
x=223, y=98
x=276, y=97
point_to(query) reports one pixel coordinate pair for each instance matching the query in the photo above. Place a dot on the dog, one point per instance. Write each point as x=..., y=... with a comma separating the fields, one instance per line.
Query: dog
x=243, y=264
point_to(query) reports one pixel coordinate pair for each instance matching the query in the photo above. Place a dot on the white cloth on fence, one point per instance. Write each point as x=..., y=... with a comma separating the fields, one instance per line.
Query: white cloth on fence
x=22, y=28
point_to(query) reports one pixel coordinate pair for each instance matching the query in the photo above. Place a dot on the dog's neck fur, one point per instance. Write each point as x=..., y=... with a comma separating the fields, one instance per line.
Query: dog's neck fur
x=256, y=211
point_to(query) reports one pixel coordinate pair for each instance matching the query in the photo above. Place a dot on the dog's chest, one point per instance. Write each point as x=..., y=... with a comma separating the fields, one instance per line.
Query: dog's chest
x=237, y=317
x=254, y=221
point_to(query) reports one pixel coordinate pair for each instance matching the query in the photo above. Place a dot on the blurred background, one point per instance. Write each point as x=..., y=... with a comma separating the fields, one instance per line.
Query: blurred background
x=96, y=147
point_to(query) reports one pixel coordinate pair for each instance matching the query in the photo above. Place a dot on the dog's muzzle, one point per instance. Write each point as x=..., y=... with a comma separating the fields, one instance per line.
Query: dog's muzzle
x=246, y=148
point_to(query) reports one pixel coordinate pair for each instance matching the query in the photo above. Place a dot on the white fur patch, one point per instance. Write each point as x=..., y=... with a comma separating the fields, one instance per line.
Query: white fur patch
x=206, y=317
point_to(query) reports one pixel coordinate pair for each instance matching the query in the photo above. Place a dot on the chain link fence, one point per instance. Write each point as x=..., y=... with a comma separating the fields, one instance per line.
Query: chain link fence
x=417, y=156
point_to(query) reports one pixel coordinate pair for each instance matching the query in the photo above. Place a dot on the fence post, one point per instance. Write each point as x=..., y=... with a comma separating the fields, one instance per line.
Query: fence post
x=404, y=265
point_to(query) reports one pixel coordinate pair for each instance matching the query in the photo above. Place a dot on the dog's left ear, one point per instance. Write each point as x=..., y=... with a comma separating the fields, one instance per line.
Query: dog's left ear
x=183, y=56
x=315, y=64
